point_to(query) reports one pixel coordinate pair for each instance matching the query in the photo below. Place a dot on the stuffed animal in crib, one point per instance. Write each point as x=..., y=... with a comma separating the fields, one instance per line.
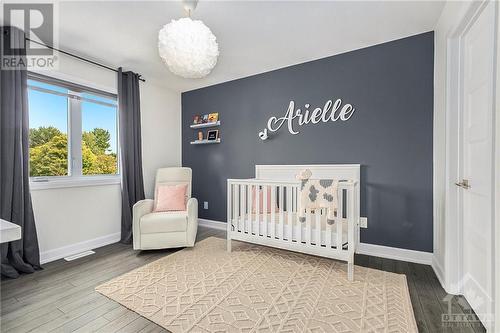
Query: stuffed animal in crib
x=317, y=193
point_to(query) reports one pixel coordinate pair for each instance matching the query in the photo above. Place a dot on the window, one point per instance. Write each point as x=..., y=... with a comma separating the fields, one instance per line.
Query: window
x=99, y=146
x=48, y=133
x=73, y=130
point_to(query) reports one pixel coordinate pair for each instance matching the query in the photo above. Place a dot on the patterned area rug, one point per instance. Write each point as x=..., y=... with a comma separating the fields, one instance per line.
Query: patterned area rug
x=261, y=289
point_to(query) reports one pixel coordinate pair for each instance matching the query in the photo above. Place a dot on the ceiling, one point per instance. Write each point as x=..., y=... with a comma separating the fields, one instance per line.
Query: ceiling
x=253, y=36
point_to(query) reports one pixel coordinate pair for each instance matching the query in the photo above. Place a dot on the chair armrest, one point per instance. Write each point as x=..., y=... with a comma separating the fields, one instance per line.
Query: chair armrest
x=192, y=227
x=140, y=209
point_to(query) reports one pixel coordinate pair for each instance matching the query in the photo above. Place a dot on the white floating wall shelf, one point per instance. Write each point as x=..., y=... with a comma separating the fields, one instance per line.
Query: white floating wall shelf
x=205, y=125
x=204, y=142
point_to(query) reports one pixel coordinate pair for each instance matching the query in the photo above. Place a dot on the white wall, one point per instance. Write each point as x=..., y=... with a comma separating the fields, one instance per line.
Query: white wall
x=70, y=220
x=161, y=131
x=497, y=181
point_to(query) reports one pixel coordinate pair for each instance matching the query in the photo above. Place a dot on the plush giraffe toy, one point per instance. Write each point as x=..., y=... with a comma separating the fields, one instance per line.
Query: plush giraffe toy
x=317, y=193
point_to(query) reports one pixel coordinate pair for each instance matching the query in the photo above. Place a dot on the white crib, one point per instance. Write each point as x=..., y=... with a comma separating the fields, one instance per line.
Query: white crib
x=276, y=223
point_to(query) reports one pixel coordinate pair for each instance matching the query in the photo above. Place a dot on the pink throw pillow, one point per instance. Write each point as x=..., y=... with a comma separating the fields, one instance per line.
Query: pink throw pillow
x=170, y=197
x=261, y=201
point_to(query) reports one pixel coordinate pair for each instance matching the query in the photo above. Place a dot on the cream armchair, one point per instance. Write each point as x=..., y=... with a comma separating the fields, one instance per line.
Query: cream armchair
x=166, y=229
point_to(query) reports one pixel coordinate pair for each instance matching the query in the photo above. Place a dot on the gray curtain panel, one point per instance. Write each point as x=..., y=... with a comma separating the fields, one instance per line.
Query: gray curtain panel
x=15, y=200
x=130, y=148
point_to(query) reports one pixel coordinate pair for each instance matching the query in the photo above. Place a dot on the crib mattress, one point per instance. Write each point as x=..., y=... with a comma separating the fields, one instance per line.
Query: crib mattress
x=299, y=229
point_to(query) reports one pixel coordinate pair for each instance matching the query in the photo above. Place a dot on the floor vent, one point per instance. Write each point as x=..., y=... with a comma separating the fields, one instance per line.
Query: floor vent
x=79, y=255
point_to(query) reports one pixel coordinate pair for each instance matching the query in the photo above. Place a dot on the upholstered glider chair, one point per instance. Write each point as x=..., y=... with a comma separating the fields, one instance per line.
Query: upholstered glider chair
x=160, y=230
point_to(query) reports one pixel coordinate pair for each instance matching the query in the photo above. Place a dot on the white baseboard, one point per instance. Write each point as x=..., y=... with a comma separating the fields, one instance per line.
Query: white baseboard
x=395, y=253
x=65, y=251
x=363, y=248
x=438, y=270
x=213, y=224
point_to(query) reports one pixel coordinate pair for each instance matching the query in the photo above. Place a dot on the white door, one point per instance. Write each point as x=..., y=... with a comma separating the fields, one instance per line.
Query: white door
x=477, y=45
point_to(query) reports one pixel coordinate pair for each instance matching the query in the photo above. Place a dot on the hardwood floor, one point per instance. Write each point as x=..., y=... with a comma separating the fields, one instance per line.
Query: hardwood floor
x=61, y=298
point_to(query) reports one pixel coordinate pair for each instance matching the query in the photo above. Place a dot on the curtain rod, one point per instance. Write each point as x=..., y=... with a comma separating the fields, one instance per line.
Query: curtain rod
x=79, y=57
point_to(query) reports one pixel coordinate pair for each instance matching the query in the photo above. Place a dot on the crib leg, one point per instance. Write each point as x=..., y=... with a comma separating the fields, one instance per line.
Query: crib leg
x=350, y=270
x=229, y=245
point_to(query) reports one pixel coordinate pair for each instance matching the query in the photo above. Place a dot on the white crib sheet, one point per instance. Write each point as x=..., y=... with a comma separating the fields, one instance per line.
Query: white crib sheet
x=257, y=225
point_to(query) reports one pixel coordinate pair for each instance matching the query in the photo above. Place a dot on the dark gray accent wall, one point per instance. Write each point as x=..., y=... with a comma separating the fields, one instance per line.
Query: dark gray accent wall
x=390, y=134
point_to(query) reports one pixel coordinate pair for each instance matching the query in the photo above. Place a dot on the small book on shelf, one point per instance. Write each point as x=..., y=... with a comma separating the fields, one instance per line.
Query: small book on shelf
x=213, y=117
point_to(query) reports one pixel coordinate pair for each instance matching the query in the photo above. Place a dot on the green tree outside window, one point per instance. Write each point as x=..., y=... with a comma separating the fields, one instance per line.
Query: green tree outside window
x=49, y=152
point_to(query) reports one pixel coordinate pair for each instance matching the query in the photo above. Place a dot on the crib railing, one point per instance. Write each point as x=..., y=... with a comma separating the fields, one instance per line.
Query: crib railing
x=265, y=212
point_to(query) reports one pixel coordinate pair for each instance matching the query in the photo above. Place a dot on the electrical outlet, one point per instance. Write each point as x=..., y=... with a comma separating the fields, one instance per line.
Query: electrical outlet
x=363, y=222
x=205, y=204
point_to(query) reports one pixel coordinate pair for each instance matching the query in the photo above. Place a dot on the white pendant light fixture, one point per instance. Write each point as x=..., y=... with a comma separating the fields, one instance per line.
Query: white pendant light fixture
x=187, y=46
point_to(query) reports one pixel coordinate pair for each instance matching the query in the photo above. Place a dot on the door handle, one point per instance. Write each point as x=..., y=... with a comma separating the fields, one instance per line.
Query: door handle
x=464, y=184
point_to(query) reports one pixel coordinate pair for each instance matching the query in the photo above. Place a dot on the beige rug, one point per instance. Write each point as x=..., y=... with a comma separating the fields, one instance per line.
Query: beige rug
x=260, y=289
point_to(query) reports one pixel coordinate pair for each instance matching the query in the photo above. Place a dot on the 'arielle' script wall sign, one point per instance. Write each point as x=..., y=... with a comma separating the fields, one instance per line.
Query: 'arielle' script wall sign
x=332, y=111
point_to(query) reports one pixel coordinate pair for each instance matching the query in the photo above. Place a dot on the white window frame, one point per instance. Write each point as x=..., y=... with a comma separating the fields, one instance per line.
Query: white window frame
x=75, y=178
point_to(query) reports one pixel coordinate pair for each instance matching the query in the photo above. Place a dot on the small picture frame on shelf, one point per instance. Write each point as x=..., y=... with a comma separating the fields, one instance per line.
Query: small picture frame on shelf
x=213, y=117
x=212, y=135
x=204, y=119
